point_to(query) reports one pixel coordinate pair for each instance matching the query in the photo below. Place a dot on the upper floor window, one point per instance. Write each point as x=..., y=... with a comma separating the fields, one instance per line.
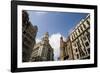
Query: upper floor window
x=84, y=26
x=87, y=44
x=79, y=30
x=88, y=22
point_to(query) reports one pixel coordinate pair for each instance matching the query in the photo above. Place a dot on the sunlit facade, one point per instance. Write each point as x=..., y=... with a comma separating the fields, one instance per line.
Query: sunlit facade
x=42, y=51
x=77, y=45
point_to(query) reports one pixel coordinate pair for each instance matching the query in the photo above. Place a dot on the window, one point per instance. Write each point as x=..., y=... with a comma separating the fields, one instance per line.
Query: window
x=88, y=50
x=27, y=41
x=77, y=56
x=76, y=33
x=84, y=26
x=72, y=37
x=81, y=28
x=84, y=37
x=78, y=30
x=76, y=50
x=65, y=52
x=87, y=44
x=24, y=32
x=88, y=22
x=88, y=36
x=29, y=36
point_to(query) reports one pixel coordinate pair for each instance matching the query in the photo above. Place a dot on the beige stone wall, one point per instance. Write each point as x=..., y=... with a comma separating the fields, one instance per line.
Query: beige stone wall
x=42, y=51
x=78, y=43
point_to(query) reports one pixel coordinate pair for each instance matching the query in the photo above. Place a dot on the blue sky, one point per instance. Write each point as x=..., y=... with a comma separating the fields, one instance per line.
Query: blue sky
x=57, y=24
x=54, y=22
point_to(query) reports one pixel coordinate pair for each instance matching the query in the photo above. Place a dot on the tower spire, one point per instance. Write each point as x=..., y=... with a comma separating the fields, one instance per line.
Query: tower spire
x=61, y=42
x=46, y=37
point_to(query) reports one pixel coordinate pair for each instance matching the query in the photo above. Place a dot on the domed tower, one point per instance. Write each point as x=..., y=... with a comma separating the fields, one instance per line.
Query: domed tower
x=43, y=50
x=45, y=38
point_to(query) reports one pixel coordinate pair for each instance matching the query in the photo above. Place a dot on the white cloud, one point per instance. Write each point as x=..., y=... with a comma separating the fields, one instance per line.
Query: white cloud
x=41, y=13
x=54, y=41
x=38, y=40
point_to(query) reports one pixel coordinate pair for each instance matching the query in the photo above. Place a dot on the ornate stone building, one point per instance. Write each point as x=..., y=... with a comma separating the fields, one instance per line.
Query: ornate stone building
x=42, y=51
x=28, y=36
x=77, y=45
x=66, y=49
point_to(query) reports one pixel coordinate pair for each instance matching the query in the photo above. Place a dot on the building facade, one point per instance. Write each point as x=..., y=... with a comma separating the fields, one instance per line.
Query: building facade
x=42, y=51
x=77, y=45
x=28, y=37
x=66, y=51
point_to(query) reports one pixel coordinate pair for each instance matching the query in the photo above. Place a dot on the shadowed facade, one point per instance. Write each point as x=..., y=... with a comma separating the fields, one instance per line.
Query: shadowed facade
x=28, y=36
